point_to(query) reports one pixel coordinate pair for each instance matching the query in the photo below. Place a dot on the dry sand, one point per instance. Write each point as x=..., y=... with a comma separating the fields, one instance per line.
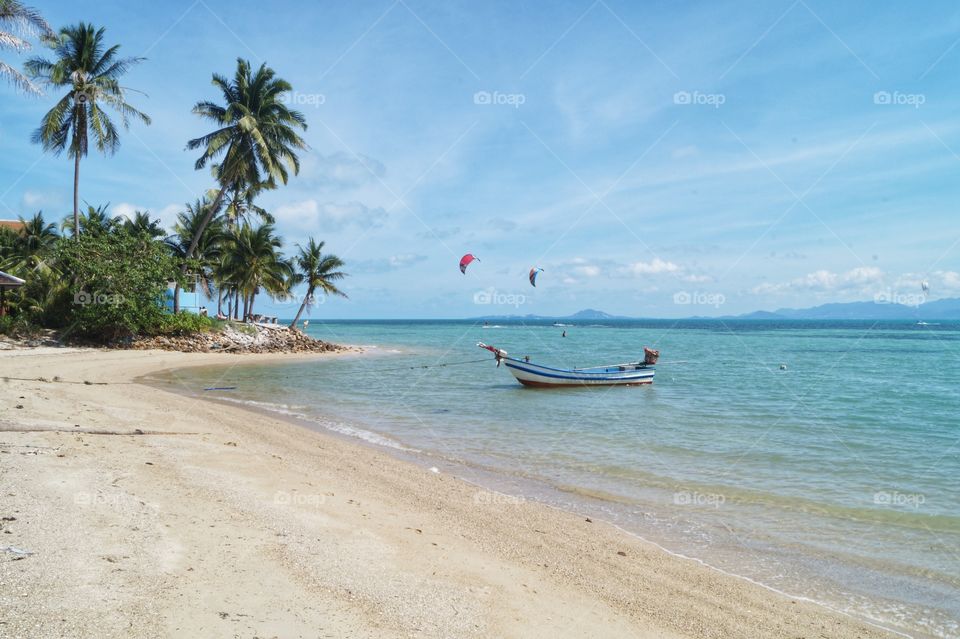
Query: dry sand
x=151, y=514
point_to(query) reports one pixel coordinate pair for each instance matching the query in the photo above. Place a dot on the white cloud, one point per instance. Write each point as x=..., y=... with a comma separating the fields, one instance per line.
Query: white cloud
x=167, y=215
x=864, y=275
x=860, y=278
x=33, y=200
x=125, y=209
x=393, y=262
x=588, y=270
x=312, y=215
x=654, y=267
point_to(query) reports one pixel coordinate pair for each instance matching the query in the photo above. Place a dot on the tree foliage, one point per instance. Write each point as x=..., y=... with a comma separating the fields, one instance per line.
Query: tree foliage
x=118, y=280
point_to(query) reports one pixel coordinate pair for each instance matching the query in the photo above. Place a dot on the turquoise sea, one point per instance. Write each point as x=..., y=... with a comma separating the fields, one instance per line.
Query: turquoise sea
x=833, y=477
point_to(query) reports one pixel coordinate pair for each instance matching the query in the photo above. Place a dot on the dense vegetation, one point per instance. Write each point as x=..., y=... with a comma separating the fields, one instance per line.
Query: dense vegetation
x=106, y=277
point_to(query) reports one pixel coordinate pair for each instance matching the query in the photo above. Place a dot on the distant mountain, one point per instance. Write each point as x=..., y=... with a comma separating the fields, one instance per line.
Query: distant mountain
x=591, y=314
x=945, y=309
x=587, y=314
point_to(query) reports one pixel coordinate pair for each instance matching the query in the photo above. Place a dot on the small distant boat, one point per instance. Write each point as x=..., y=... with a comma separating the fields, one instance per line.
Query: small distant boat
x=530, y=374
x=922, y=323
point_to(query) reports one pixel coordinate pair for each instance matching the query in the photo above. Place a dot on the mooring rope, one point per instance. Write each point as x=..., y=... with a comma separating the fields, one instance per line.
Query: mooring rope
x=441, y=365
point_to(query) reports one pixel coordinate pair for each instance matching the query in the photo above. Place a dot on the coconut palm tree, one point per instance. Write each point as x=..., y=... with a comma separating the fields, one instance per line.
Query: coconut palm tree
x=319, y=271
x=38, y=235
x=255, y=140
x=28, y=248
x=18, y=22
x=141, y=224
x=208, y=249
x=95, y=221
x=239, y=204
x=91, y=73
x=253, y=263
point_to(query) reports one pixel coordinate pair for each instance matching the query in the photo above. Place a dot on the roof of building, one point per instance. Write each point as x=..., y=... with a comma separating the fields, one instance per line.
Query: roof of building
x=13, y=225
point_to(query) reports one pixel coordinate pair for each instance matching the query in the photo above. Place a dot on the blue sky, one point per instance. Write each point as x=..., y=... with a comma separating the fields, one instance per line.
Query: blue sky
x=655, y=159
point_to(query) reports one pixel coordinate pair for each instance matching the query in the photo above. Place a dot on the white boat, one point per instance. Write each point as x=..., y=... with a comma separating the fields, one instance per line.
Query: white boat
x=530, y=374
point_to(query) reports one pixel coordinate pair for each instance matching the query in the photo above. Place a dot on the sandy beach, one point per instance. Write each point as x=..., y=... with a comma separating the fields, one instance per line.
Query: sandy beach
x=147, y=513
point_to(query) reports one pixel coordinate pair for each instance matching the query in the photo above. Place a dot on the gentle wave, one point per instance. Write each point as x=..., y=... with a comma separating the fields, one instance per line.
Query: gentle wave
x=299, y=412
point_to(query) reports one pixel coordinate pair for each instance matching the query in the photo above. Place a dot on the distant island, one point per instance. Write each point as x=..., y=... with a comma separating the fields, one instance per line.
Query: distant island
x=944, y=309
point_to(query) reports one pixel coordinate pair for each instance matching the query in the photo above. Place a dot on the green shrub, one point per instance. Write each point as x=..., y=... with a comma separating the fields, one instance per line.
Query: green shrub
x=116, y=284
x=182, y=324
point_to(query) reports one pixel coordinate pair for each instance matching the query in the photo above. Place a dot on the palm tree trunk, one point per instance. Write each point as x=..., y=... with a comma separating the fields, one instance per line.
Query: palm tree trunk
x=176, y=297
x=76, y=196
x=196, y=237
x=219, y=301
x=296, y=319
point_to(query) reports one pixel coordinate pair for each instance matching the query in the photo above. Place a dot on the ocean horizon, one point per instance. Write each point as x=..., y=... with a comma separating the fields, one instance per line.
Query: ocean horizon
x=814, y=457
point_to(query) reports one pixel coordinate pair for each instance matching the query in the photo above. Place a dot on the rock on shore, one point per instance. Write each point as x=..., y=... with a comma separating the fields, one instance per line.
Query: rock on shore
x=243, y=338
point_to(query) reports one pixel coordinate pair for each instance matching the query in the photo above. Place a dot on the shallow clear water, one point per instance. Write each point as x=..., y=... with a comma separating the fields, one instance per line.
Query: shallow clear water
x=834, y=479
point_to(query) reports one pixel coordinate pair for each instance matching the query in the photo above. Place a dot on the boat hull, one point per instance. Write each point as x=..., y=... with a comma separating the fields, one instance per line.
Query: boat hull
x=544, y=377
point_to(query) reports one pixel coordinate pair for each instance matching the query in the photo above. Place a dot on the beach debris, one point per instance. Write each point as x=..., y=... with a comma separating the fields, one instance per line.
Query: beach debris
x=466, y=260
x=589, y=521
x=533, y=275
x=621, y=553
x=434, y=469
x=17, y=551
x=229, y=443
x=220, y=388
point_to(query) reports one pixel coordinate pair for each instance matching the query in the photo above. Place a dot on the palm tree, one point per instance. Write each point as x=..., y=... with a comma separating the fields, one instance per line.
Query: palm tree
x=208, y=247
x=256, y=135
x=239, y=205
x=95, y=221
x=15, y=18
x=91, y=73
x=319, y=271
x=37, y=235
x=253, y=262
x=141, y=224
x=28, y=249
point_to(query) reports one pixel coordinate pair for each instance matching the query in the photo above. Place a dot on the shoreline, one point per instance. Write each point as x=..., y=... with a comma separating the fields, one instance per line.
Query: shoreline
x=555, y=573
x=510, y=486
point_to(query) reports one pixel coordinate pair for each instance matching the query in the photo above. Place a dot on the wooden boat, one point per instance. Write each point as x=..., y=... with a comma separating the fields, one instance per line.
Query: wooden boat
x=530, y=374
